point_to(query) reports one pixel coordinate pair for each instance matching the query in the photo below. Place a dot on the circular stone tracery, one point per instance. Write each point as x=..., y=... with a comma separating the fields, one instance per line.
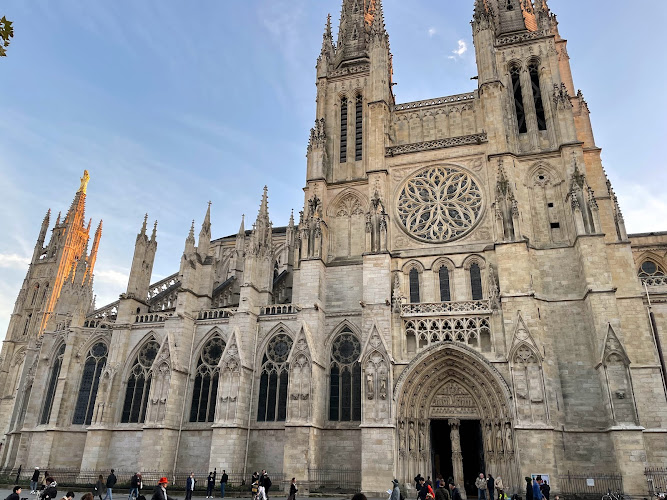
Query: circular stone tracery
x=439, y=204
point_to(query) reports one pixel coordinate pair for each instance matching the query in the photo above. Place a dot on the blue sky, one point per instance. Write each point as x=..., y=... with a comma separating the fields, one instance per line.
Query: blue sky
x=170, y=104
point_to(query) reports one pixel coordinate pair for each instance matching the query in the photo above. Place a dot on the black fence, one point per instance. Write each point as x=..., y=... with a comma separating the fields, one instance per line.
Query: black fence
x=590, y=485
x=334, y=480
x=656, y=479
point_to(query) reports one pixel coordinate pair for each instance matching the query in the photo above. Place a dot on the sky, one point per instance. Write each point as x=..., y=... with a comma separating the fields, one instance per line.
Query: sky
x=172, y=103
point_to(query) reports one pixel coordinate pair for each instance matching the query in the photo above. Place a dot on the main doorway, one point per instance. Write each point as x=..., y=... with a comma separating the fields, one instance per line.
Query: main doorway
x=472, y=451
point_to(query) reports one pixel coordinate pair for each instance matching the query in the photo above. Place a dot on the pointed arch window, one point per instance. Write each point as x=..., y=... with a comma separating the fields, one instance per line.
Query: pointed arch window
x=476, y=282
x=515, y=74
x=445, y=291
x=650, y=269
x=52, y=385
x=34, y=295
x=345, y=379
x=90, y=381
x=273, y=382
x=27, y=324
x=343, y=129
x=204, y=394
x=414, y=285
x=537, y=95
x=359, y=128
x=139, y=384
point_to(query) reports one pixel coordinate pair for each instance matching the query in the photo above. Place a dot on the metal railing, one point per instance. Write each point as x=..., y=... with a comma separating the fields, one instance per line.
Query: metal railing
x=656, y=479
x=590, y=485
x=339, y=480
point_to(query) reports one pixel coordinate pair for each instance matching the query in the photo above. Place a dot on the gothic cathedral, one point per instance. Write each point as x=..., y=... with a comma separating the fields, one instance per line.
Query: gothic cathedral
x=459, y=294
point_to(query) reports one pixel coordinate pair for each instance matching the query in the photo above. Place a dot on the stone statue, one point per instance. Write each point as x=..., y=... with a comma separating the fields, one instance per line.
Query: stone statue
x=369, y=385
x=455, y=437
x=412, y=437
x=499, y=438
x=509, y=444
x=84, y=182
x=488, y=434
x=401, y=435
x=383, y=386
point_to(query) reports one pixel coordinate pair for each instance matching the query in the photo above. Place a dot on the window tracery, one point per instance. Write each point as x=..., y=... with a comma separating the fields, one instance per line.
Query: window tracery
x=476, y=282
x=345, y=378
x=650, y=269
x=274, y=380
x=53, y=384
x=90, y=380
x=204, y=393
x=139, y=384
x=515, y=74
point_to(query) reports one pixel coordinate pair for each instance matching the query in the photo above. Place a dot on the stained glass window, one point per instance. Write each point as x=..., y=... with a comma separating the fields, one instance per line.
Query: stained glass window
x=445, y=293
x=274, y=380
x=414, y=286
x=204, y=394
x=90, y=379
x=53, y=384
x=139, y=384
x=476, y=282
x=345, y=379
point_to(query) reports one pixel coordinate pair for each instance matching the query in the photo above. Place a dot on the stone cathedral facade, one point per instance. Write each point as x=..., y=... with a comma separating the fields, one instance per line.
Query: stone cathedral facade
x=459, y=294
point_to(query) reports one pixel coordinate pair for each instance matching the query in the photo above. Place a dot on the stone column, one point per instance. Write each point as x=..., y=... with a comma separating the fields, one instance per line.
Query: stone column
x=457, y=456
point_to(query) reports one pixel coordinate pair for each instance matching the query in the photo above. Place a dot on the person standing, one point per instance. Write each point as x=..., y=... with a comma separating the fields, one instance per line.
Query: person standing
x=111, y=482
x=160, y=492
x=223, y=482
x=99, y=486
x=267, y=485
x=480, y=483
x=190, y=486
x=34, y=480
x=500, y=488
x=293, y=489
x=490, y=484
x=134, y=486
x=537, y=493
x=529, y=489
x=545, y=489
x=210, y=485
x=261, y=492
x=455, y=493
x=18, y=473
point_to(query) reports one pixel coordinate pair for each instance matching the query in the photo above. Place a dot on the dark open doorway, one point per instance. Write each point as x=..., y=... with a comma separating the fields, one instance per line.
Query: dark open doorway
x=473, y=454
x=441, y=449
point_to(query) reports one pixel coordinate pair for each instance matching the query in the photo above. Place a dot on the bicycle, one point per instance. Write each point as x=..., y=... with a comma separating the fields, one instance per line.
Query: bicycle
x=613, y=495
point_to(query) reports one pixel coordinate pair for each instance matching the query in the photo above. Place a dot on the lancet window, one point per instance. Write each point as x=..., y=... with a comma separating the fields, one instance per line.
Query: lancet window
x=445, y=290
x=476, y=282
x=204, y=394
x=52, y=385
x=90, y=381
x=343, y=129
x=273, y=383
x=537, y=95
x=414, y=285
x=515, y=73
x=139, y=384
x=358, y=128
x=345, y=379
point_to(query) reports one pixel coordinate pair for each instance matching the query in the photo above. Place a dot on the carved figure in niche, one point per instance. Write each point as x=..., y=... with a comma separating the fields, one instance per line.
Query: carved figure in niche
x=499, y=438
x=369, y=385
x=509, y=444
x=401, y=435
x=422, y=437
x=383, y=386
x=488, y=435
x=412, y=437
x=454, y=436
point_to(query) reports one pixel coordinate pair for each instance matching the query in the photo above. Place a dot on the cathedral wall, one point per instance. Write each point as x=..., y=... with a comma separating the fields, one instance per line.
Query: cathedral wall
x=265, y=450
x=588, y=452
x=340, y=449
x=656, y=447
x=124, y=449
x=344, y=287
x=557, y=274
x=194, y=450
x=67, y=450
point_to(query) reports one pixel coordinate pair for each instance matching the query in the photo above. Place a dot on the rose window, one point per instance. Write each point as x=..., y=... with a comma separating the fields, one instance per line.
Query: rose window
x=439, y=204
x=279, y=348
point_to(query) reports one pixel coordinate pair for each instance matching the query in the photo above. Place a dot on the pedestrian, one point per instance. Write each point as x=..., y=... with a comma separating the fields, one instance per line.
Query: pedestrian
x=68, y=496
x=442, y=493
x=490, y=484
x=500, y=487
x=33, y=481
x=529, y=489
x=45, y=481
x=395, y=490
x=480, y=483
x=267, y=485
x=111, y=482
x=261, y=492
x=160, y=492
x=135, y=485
x=99, y=486
x=418, y=485
x=15, y=495
x=190, y=486
x=223, y=482
x=50, y=491
x=292, y=490
x=18, y=473
x=545, y=489
x=210, y=485
x=454, y=491
x=537, y=493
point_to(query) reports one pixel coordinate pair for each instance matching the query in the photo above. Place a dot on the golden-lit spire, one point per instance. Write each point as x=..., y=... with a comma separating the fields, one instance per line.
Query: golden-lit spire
x=84, y=182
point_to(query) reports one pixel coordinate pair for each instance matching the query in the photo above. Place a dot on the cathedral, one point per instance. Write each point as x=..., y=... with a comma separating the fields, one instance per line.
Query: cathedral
x=458, y=295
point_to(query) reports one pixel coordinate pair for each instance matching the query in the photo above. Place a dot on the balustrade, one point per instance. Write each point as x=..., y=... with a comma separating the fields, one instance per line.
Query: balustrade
x=446, y=308
x=151, y=318
x=216, y=313
x=277, y=309
x=650, y=281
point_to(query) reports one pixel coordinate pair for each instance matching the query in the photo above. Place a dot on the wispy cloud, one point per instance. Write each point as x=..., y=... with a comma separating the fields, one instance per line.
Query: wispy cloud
x=432, y=32
x=458, y=52
x=642, y=210
x=13, y=261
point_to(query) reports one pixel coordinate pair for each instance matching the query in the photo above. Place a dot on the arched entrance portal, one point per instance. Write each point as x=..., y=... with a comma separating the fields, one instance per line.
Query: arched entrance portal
x=454, y=418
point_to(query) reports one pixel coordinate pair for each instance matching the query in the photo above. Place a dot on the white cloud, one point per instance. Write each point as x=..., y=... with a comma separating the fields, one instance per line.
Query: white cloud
x=14, y=261
x=643, y=211
x=432, y=31
x=462, y=49
x=111, y=277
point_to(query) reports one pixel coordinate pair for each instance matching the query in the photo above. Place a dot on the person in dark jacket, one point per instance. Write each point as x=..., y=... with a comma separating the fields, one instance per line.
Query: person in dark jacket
x=418, y=479
x=529, y=488
x=50, y=492
x=442, y=493
x=135, y=484
x=111, y=482
x=190, y=486
x=292, y=490
x=34, y=480
x=210, y=485
x=223, y=482
x=455, y=493
x=160, y=492
x=490, y=484
x=15, y=495
x=18, y=473
x=545, y=489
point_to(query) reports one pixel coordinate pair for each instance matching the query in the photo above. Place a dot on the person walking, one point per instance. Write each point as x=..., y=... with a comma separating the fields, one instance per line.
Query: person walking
x=33, y=481
x=261, y=492
x=267, y=485
x=210, y=485
x=529, y=488
x=160, y=492
x=99, y=486
x=111, y=482
x=490, y=485
x=442, y=492
x=135, y=485
x=455, y=493
x=223, y=482
x=15, y=494
x=500, y=488
x=293, y=489
x=190, y=486
x=480, y=483
x=18, y=473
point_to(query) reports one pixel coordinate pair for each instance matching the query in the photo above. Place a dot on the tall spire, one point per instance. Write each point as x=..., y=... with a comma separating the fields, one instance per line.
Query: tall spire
x=93, y=253
x=205, y=234
x=261, y=242
x=143, y=226
x=327, y=51
x=356, y=18
x=154, y=233
x=242, y=226
x=39, y=245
